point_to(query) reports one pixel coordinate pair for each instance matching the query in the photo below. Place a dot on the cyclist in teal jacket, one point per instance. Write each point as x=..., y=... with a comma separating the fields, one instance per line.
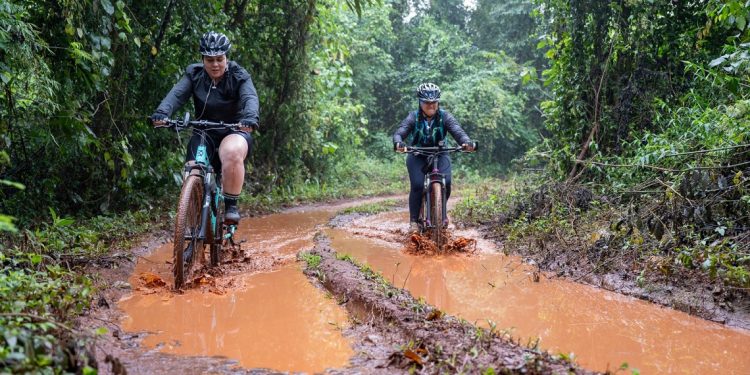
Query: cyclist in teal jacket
x=427, y=126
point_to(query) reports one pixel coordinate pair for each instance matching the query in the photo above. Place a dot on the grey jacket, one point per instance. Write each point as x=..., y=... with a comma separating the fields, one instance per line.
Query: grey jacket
x=450, y=124
x=232, y=100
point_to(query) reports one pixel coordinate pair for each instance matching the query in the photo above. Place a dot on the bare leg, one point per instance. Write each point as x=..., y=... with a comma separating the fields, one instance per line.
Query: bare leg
x=232, y=152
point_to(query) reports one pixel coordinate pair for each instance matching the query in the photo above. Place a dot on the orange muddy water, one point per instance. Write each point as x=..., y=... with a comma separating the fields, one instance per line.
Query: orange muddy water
x=275, y=318
x=272, y=319
x=603, y=329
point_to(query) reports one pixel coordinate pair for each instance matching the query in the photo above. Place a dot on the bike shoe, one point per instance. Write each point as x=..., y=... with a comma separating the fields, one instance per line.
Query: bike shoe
x=232, y=216
x=414, y=227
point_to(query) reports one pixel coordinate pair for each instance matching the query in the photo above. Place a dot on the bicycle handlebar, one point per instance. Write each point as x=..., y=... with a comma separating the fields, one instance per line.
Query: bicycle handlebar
x=435, y=150
x=429, y=149
x=204, y=124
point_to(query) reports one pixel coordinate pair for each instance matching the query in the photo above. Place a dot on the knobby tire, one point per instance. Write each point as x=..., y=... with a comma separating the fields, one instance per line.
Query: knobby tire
x=187, y=228
x=218, y=238
x=436, y=213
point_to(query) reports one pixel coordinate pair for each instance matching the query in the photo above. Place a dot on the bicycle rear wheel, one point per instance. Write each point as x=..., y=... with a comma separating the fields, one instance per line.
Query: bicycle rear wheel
x=187, y=246
x=436, y=213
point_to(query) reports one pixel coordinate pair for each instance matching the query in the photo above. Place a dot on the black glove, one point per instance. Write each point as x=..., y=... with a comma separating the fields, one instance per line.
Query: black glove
x=158, y=117
x=471, y=146
x=248, y=124
x=398, y=145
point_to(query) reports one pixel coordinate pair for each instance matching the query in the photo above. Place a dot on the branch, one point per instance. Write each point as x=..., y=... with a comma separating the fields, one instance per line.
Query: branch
x=707, y=151
x=163, y=27
x=572, y=176
x=662, y=168
x=38, y=318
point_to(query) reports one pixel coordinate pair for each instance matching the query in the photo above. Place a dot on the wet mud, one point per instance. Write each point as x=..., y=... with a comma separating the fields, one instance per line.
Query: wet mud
x=422, y=244
x=121, y=352
x=692, y=292
x=594, y=256
x=263, y=270
x=256, y=307
x=427, y=339
x=473, y=310
x=601, y=328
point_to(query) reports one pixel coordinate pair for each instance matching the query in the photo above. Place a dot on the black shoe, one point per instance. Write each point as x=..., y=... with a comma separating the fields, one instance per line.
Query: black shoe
x=232, y=216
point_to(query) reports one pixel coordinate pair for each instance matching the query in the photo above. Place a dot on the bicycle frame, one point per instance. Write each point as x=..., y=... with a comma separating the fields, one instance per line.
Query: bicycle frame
x=211, y=187
x=213, y=195
x=434, y=176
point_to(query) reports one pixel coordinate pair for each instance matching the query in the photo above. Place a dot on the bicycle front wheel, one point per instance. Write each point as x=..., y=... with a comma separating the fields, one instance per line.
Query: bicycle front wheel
x=187, y=244
x=218, y=238
x=436, y=213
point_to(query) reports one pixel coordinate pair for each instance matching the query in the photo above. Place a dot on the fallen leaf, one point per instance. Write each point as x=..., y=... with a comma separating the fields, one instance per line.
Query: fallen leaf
x=151, y=280
x=435, y=314
x=413, y=356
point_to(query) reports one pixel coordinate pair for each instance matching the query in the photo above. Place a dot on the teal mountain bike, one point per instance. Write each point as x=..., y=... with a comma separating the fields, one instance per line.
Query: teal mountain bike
x=200, y=211
x=433, y=216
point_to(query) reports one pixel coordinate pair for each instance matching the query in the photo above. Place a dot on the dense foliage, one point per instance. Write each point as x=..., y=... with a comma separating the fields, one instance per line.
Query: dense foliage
x=79, y=78
x=46, y=298
x=393, y=51
x=650, y=101
x=647, y=103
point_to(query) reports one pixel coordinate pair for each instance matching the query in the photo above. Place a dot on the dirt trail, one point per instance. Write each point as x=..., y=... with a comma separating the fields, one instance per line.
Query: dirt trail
x=221, y=317
x=259, y=311
x=427, y=339
x=602, y=328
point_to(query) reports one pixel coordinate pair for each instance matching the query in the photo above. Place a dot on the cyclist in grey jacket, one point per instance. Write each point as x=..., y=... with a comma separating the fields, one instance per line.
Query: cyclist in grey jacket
x=427, y=126
x=222, y=91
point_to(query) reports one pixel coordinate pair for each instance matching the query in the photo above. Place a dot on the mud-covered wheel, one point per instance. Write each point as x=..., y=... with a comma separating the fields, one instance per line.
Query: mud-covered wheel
x=436, y=213
x=187, y=246
x=218, y=238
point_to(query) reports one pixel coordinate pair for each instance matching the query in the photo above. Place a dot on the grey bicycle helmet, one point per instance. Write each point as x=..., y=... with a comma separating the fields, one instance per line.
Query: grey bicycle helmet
x=214, y=44
x=428, y=92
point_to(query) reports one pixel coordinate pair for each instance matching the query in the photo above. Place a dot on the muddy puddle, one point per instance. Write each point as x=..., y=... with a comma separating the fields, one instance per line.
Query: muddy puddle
x=602, y=329
x=266, y=314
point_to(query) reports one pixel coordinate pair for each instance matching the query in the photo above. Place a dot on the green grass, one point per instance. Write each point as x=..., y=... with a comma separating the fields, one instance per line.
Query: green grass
x=312, y=260
x=484, y=200
x=374, y=208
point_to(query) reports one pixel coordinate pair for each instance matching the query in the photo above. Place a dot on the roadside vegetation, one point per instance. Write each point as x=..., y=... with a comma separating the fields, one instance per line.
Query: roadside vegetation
x=44, y=290
x=622, y=127
x=643, y=167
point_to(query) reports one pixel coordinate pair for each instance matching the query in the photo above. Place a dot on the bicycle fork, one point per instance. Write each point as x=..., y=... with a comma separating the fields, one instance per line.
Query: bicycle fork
x=207, y=216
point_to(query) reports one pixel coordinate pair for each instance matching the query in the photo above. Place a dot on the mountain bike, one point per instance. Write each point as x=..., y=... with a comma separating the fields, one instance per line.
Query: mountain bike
x=433, y=216
x=200, y=210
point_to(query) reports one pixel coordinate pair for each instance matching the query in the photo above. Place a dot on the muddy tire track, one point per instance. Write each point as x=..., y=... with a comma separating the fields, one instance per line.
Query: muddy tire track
x=429, y=341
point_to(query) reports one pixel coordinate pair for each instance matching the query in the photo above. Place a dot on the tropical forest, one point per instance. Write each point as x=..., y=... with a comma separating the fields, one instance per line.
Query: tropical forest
x=375, y=186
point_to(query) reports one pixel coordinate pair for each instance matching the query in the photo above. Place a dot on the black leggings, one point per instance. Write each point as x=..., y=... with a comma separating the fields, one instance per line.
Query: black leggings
x=417, y=167
x=213, y=141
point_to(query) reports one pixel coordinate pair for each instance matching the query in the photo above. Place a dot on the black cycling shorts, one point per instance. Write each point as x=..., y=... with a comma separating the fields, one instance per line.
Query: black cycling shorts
x=213, y=141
